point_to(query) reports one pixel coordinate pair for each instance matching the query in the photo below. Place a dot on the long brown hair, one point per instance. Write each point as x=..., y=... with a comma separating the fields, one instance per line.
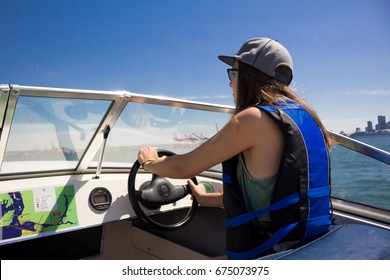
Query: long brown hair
x=257, y=88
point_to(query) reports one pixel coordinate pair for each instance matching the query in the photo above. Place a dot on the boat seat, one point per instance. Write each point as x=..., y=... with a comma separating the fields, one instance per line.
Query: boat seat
x=342, y=242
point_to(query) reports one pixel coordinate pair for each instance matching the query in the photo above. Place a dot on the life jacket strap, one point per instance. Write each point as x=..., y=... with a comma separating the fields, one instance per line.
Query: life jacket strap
x=244, y=218
x=274, y=239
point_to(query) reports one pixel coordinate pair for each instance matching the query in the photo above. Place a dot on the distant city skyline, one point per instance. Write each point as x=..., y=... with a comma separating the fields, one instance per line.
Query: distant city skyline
x=380, y=125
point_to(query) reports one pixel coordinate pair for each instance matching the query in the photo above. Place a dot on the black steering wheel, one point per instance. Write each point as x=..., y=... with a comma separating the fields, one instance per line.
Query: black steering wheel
x=157, y=192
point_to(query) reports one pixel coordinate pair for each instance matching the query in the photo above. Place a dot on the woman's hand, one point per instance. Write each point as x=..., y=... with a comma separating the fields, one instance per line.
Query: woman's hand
x=198, y=191
x=147, y=155
x=204, y=198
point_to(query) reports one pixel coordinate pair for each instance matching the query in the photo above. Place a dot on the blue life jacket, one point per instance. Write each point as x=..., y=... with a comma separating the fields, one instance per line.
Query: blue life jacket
x=300, y=203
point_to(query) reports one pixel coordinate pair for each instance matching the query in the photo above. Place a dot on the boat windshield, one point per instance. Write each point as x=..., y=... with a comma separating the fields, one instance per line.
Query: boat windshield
x=49, y=130
x=50, y=133
x=179, y=130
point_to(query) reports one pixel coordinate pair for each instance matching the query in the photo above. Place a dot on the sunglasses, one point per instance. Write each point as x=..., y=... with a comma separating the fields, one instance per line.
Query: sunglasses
x=231, y=73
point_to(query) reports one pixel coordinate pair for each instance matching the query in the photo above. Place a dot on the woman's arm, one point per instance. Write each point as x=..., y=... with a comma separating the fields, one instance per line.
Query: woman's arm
x=239, y=134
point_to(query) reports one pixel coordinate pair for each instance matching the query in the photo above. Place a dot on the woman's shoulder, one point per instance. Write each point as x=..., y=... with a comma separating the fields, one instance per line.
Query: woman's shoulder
x=254, y=118
x=251, y=113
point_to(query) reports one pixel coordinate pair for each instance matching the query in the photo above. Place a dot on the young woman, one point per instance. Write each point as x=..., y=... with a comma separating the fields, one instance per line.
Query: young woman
x=260, y=74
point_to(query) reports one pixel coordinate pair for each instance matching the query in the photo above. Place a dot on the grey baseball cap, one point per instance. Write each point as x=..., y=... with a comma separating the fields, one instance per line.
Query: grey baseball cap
x=265, y=55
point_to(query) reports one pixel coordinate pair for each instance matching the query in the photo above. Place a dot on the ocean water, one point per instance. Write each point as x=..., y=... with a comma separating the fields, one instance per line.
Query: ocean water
x=358, y=178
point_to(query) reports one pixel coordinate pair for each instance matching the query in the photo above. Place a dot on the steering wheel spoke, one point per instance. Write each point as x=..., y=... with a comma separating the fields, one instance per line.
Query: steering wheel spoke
x=160, y=191
x=156, y=193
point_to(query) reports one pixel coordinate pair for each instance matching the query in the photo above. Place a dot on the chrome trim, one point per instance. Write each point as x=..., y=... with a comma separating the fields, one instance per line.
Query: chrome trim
x=66, y=93
x=180, y=103
x=109, y=119
x=4, y=95
x=102, y=151
x=362, y=148
x=360, y=210
x=355, y=219
x=9, y=115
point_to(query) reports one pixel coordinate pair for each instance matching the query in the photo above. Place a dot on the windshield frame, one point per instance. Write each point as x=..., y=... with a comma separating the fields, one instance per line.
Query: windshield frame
x=119, y=99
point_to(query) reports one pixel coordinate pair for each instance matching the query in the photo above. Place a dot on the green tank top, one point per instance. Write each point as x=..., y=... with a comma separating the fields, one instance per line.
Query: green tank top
x=256, y=192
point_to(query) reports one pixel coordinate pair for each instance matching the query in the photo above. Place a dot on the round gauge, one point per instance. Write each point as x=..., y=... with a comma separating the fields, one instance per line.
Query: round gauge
x=100, y=199
x=207, y=186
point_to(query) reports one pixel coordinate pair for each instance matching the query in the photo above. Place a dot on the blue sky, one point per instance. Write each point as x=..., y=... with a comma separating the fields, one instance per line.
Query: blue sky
x=341, y=49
